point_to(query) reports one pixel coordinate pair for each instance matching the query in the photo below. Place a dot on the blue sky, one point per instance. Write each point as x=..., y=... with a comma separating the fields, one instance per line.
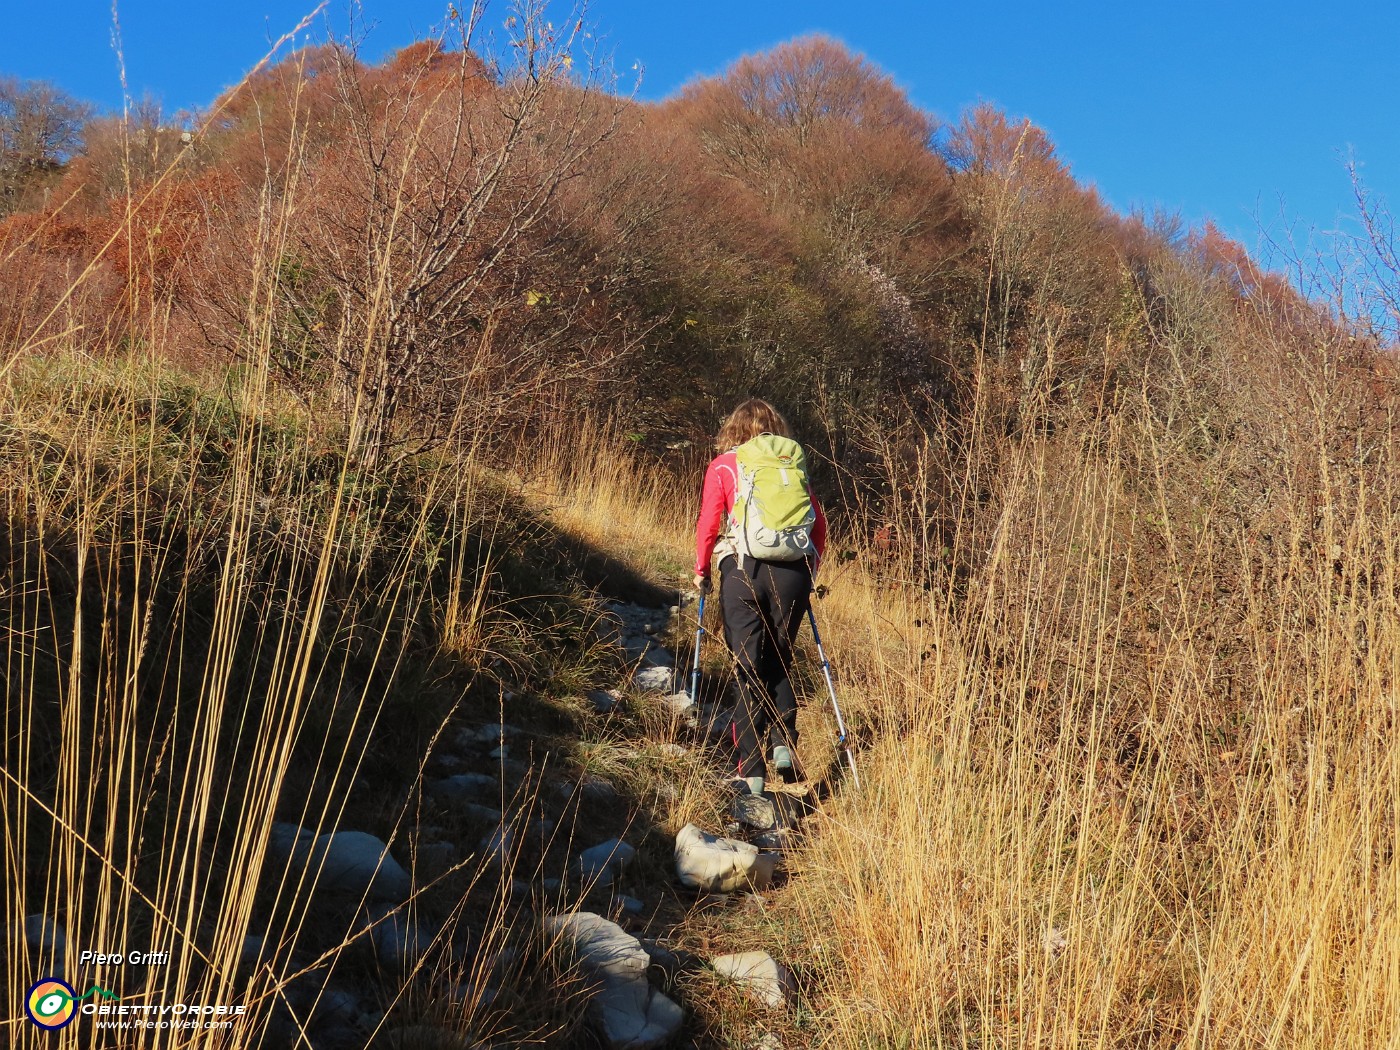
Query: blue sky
x=1245, y=112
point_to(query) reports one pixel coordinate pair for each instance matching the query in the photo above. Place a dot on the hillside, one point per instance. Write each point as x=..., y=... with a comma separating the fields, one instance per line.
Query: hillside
x=351, y=439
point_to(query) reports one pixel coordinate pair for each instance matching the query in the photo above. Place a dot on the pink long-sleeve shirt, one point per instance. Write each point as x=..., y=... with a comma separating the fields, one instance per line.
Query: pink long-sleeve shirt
x=717, y=501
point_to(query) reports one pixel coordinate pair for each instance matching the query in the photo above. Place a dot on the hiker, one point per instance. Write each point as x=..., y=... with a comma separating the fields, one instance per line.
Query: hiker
x=757, y=500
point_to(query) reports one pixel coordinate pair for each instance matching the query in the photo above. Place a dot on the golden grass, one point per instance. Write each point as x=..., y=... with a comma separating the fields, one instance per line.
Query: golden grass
x=1084, y=826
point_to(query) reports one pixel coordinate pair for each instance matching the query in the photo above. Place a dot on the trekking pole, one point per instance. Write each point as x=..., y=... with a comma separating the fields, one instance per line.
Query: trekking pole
x=841, y=740
x=699, y=632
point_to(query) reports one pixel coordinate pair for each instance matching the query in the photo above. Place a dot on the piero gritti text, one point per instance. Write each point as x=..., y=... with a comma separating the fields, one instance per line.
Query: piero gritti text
x=124, y=958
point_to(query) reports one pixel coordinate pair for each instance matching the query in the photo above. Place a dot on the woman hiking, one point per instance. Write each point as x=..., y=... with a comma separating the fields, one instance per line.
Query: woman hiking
x=760, y=522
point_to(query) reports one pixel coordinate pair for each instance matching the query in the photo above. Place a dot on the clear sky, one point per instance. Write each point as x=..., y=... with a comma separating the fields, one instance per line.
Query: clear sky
x=1238, y=110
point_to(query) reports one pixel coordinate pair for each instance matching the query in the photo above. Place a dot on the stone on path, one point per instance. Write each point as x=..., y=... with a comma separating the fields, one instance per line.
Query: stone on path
x=604, y=701
x=347, y=863
x=399, y=938
x=719, y=865
x=465, y=786
x=680, y=704
x=604, y=862
x=759, y=975
x=653, y=679
x=755, y=811
x=631, y=1014
x=44, y=940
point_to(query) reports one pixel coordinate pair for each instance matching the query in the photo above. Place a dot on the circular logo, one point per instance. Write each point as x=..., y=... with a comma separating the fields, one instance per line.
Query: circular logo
x=50, y=1003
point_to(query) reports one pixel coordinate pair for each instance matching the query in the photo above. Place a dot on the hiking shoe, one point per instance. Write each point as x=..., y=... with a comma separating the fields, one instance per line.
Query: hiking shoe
x=783, y=764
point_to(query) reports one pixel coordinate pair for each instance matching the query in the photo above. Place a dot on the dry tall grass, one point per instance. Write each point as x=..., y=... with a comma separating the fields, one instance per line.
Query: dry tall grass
x=217, y=616
x=1138, y=786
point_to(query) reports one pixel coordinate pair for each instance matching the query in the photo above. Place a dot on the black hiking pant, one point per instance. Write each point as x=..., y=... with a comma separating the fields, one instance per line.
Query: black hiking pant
x=763, y=603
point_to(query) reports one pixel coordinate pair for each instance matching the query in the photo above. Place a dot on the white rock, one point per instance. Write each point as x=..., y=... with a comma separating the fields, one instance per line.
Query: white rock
x=286, y=840
x=465, y=786
x=758, y=974
x=400, y=939
x=356, y=864
x=776, y=840
x=681, y=704
x=43, y=937
x=715, y=864
x=488, y=734
x=497, y=846
x=604, y=862
x=653, y=679
x=604, y=701
x=658, y=656
x=755, y=811
x=632, y=1014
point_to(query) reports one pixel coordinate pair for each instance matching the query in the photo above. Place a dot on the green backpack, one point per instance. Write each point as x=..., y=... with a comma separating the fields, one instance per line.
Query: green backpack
x=773, y=514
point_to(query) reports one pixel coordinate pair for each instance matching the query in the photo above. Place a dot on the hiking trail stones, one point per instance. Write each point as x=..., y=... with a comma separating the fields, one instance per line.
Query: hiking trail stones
x=631, y=1013
x=602, y=864
x=604, y=701
x=654, y=679
x=44, y=941
x=397, y=937
x=342, y=863
x=754, y=811
x=720, y=865
x=470, y=776
x=466, y=786
x=760, y=976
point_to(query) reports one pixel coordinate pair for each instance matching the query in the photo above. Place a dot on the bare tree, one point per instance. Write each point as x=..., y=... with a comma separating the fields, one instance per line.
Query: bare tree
x=434, y=273
x=41, y=128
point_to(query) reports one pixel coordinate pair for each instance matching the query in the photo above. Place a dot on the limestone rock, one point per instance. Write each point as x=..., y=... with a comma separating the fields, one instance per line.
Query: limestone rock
x=658, y=656
x=465, y=786
x=45, y=942
x=631, y=1014
x=759, y=975
x=653, y=679
x=681, y=705
x=352, y=864
x=755, y=811
x=604, y=701
x=720, y=865
x=604, y=862
x=776, y=840
x=399, y=939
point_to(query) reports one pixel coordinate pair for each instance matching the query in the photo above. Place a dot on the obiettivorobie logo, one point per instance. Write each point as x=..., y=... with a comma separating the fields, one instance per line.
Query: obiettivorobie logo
x=51, y=1004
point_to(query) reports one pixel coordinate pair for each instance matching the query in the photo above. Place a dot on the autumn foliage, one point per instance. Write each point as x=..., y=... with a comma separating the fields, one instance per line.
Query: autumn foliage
x=459, y=243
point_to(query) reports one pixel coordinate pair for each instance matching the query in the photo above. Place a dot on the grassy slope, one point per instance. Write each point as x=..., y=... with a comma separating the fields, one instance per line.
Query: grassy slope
x=1102, y=804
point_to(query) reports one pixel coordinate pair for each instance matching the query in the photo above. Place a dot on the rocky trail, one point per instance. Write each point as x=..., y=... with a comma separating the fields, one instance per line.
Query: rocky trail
x=515, y=873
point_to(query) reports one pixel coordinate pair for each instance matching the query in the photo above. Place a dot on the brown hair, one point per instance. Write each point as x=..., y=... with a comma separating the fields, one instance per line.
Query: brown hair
x=750, y=419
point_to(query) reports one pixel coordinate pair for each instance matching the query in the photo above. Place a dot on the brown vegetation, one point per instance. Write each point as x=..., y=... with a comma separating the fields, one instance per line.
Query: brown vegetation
x=1115, y=593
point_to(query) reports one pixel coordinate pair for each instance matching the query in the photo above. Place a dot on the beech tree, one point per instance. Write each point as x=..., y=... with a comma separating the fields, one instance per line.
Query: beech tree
x=41, y=128
x=425, y=274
